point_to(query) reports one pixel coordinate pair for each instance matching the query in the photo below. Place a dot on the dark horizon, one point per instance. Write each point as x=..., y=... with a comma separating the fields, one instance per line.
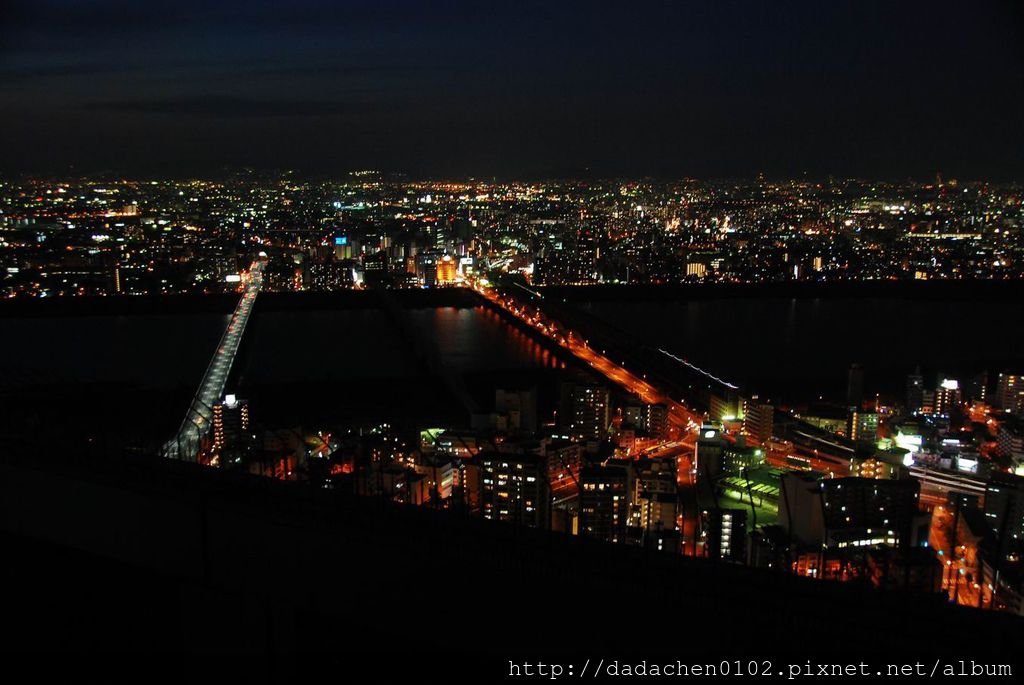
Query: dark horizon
x=229, y=173
x=515, y=90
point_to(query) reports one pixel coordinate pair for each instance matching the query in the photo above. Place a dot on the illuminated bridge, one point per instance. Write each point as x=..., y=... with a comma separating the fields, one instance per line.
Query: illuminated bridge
x=198, y=421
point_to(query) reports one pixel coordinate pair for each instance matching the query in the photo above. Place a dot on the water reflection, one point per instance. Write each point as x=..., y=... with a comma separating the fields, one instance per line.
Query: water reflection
x=479, y=339
x=797, y=348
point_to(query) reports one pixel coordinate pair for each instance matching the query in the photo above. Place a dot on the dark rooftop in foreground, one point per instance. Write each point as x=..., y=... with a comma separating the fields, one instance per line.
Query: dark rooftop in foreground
x=113, y=555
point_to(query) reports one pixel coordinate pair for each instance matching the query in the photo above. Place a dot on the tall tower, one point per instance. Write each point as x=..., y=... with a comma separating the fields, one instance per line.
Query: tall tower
x=708, y=453
x=915, y=391
x=230, y=425
x=947, y=396
x=586, y=409
x=855, y=386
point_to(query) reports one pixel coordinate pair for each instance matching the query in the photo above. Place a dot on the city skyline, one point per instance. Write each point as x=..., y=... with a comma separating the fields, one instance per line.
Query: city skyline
x=457, y=341
x=116, y=236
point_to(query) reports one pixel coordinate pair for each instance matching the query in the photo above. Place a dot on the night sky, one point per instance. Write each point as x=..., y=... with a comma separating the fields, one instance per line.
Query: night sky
x=518, y=89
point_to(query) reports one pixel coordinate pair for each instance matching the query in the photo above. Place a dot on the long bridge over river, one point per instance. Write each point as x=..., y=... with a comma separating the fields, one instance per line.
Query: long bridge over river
x=198, y=421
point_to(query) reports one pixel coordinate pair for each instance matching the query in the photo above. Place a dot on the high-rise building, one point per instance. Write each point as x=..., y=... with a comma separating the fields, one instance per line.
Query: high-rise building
x=586, y=410
x=855, y=386
x=915, y=392
x=654, y=501
x=724, y=532
x=376, y=267
x=604, y=501
x=343, y=248
x=977, y=388
x=947, y=396
x=1010, y=393
x=564, y=460
x=850, y=512
x=230, y=425
x=651, y=418
x=1004, y=512
x=724, y=405
x=654, y=489
x=565, y=255
x=708, y=455
x=426, y=268
x=447, y=269
x=518, y=407
x=863, y=426
x=510, y=487
x=657, y=514
x=928, y=402
x=758, y=420
x=656, y=511
x=1010, y=439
